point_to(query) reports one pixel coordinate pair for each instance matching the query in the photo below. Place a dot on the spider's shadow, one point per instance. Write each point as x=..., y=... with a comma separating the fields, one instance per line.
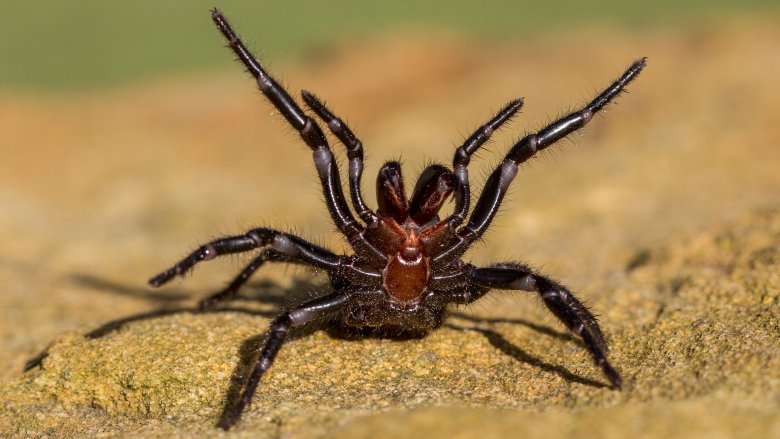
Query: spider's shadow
x=271, y=296
x=501, y=343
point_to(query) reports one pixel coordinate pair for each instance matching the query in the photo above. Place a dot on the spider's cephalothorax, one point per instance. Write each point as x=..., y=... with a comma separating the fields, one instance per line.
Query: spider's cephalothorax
x=407, y=264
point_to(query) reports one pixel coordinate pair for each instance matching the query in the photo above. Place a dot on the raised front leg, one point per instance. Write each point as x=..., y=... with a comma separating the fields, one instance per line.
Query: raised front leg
x=497, y=184
x=560, y=301
x=311, y=134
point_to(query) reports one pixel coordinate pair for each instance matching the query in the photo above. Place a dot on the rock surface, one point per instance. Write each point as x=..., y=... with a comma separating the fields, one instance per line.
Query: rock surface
x=666, y=219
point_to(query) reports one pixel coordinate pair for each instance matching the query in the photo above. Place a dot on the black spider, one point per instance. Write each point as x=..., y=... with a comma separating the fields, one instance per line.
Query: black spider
x=407, y=264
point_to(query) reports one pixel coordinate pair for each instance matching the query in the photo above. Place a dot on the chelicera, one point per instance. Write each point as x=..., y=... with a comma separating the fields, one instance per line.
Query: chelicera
x=407, y=265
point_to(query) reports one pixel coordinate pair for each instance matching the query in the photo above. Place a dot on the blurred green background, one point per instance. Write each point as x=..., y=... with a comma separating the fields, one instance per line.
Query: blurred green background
x=77, y=44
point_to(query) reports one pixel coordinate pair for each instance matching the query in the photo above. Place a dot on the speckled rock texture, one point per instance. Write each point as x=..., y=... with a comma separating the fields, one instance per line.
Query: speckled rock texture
x=665, y=218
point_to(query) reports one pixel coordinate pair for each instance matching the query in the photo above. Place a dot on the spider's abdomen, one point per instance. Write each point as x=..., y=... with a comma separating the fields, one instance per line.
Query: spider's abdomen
x=406, y=276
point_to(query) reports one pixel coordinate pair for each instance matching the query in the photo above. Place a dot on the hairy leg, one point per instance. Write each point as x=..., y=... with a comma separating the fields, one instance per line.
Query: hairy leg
x=354, y=153
x=291, y=246
x=560, y=301
x=463, y=157
x=497, y=184
x=311, y=134
x=229, y=292
x=277, y=333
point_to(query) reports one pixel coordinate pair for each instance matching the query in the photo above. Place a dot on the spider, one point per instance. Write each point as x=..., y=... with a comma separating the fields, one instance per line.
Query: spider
x=406, y=267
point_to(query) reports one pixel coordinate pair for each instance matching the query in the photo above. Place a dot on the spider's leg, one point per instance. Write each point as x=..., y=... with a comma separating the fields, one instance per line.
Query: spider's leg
x=311, y=134
x=463, y=156
x=560, y=301
x=291, y=246
x=498, y=182
x=354, y=153
x=312, y=310
x=229, y=292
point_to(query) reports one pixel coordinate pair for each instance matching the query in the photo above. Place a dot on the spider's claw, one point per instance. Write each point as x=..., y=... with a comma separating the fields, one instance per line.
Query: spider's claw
x=162, y=278
x=612, y=375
